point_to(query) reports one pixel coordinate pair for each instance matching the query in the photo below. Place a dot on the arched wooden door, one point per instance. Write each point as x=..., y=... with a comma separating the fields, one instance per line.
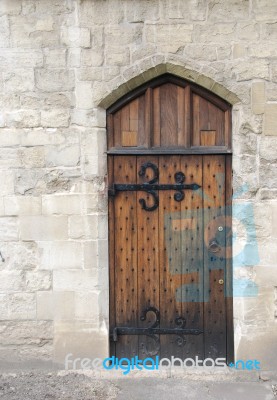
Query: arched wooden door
x=169, y=165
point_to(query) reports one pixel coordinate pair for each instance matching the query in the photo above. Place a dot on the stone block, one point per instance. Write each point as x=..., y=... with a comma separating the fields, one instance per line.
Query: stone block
x=92, y=58
x=58, y=101
x=117, y=56
x=258, y=97
x=65, y=156
x=86, y=306
x=22, y=306
x=74, y=57
x=31, y=157
x=268, y=149
x=4, y=32
x=12, y=281
x=55, y=305
x=61, y=204
x=22, y=58
x=19, y=80
x=264, y=10
x=267, y=175
x=54, y=80
x=19, y=205
x=186, y=11
x=74, y=280
x=74, y=36
x=55, y=118
x=10, y=7
x=23, y=119
x=43, y=228
x=61, y=255
x=55, y=58
x=26, y=332
x=217, y=33
x=270, y=119
x=8, y=229
x=6, y=182
x=38, y=280
x=9, y=101
x=91, y=118
x=234, y=10
x=274, y=221
x=84, y=95
x=90, y=74
x=248, y=31
x=239, y=50
x=255, y=69
x=91, y=254
x=169, y=38
x=83, y=227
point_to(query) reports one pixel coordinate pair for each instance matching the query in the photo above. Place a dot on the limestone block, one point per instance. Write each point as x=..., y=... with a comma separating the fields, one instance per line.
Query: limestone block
x=55, y=58
x=66, y=156
x=32, y=157
x=54, y=7
x=268, y=194
x=54, y=80
x=20, y=256
x=19, y=205
x=169, y=37
x=74, y=57
x=259, y=50
x=31, y=31
x=55, y=305
x=274, y=221
x=33, y=101
x=239, y=50
x=90, y=254
x=90, y=74
x=73, y=36
x=268, y=175
x=10, y=7
x=103, y=253
x=75, y=280
x=269, y=31
x=12, y=281
x=6, y=182
x=83, y=227
x=144, y=11
x=103, y=226
x=248, y=31
x=55, y=118
x=117, y=56
x=255, y=69
x=22, y=306
x=60, y=255
x=26, y=332
x=82, y=339
x=91, y=118
x=9, y=101
x=61, y=204
x=9, y=158
x=38, y=280
x=92, y=58
x=23, y=58
x=4, y=32
x=2, y=208
x=213, y=33
x=4, y=311
x=268, y=149
x=86, y=305
x=195, y=10
x=23, y=118
x=258, y=97
x=200, y=52
x=264, y=10
x=58, y=101
x=234, y=10
x=8, y=229
x=84, y=95
x=43, y=228
x=270, y=121
x=103, y=13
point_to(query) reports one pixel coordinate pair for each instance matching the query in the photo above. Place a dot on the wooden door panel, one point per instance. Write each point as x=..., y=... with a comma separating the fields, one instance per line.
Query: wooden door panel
x=172, y=258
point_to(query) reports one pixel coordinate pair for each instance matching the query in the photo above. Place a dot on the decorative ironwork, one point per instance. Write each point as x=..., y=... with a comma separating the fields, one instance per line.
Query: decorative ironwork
x=152, y=186
x=153, y=331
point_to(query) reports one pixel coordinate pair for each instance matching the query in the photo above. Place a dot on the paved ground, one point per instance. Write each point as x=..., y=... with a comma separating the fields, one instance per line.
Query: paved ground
x=76, y=386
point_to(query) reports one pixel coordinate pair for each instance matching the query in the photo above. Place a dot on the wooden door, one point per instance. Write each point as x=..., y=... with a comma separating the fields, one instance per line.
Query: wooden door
x=169, y=224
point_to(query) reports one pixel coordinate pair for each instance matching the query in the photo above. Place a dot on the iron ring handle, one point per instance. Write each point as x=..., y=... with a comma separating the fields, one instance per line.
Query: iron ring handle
x=214, y=246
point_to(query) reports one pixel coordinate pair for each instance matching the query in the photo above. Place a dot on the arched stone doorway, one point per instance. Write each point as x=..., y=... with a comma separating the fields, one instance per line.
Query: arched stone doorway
x=169, y=165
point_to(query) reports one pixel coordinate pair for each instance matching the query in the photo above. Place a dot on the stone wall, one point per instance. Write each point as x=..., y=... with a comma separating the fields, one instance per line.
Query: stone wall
x=62, y=62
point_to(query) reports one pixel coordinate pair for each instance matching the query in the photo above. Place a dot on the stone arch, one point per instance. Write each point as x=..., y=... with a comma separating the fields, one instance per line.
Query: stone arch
x=153, y=67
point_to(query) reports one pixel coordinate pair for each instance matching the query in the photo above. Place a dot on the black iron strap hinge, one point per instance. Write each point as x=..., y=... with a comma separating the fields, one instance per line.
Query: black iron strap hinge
x=151, y=187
